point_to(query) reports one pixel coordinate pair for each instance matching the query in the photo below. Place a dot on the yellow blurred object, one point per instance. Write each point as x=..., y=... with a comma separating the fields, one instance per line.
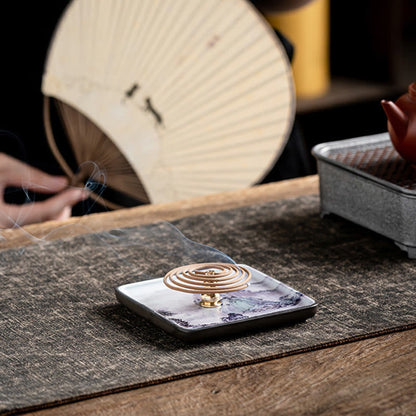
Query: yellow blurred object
x=307, y=28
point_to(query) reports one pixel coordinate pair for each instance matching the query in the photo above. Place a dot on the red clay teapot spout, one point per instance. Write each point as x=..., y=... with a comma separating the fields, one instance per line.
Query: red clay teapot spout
x=397, y=119
x=401, y=123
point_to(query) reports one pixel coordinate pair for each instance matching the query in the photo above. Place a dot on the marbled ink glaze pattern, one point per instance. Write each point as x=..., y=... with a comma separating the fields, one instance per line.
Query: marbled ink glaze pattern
x=264, y=296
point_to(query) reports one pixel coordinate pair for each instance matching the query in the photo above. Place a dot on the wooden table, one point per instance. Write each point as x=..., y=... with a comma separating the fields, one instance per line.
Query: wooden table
x=376, y=376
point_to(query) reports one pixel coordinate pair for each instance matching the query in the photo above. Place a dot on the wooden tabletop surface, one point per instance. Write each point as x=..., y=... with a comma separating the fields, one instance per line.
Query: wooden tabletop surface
x=375, y=376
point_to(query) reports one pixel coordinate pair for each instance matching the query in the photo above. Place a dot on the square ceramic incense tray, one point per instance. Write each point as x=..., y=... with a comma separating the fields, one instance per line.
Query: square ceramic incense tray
x=266, y=302
x=365, y=180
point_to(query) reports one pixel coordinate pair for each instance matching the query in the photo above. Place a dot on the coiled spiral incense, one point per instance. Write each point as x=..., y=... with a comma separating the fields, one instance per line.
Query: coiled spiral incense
x=209, y=280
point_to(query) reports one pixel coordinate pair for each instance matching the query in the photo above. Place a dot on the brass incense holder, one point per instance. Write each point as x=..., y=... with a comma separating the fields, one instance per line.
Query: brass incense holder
x=209, y=280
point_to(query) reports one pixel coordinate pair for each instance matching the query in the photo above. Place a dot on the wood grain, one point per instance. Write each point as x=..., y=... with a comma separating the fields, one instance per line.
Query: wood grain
x=146, y=214
x=370, y=377
x=376, y=376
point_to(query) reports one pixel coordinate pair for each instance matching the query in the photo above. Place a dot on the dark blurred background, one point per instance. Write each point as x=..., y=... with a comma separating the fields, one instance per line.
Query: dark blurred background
x=372, y=56
x=25, y=32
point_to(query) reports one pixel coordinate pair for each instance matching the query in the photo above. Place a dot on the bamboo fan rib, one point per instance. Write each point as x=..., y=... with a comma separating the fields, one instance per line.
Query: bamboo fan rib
x=175, y=98
x=112, y=167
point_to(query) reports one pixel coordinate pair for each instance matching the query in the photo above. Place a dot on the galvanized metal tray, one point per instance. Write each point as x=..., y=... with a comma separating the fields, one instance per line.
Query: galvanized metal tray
x=365, y=180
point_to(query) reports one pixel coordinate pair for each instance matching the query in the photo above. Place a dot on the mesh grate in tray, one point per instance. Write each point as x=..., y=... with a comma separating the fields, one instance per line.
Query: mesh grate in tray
x=382, y=162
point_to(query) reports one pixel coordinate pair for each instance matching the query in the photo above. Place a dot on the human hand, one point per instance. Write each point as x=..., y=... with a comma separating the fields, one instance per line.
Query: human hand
x=16, y=173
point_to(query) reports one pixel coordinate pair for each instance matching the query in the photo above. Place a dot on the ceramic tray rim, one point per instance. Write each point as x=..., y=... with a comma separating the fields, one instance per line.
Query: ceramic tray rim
x=266, y=320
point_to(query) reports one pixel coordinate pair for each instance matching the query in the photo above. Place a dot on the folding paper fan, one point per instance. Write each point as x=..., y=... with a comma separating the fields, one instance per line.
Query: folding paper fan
x=169, y=99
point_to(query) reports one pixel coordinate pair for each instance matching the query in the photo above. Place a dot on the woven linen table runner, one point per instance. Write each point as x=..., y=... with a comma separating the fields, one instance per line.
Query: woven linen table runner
x=65, y=337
